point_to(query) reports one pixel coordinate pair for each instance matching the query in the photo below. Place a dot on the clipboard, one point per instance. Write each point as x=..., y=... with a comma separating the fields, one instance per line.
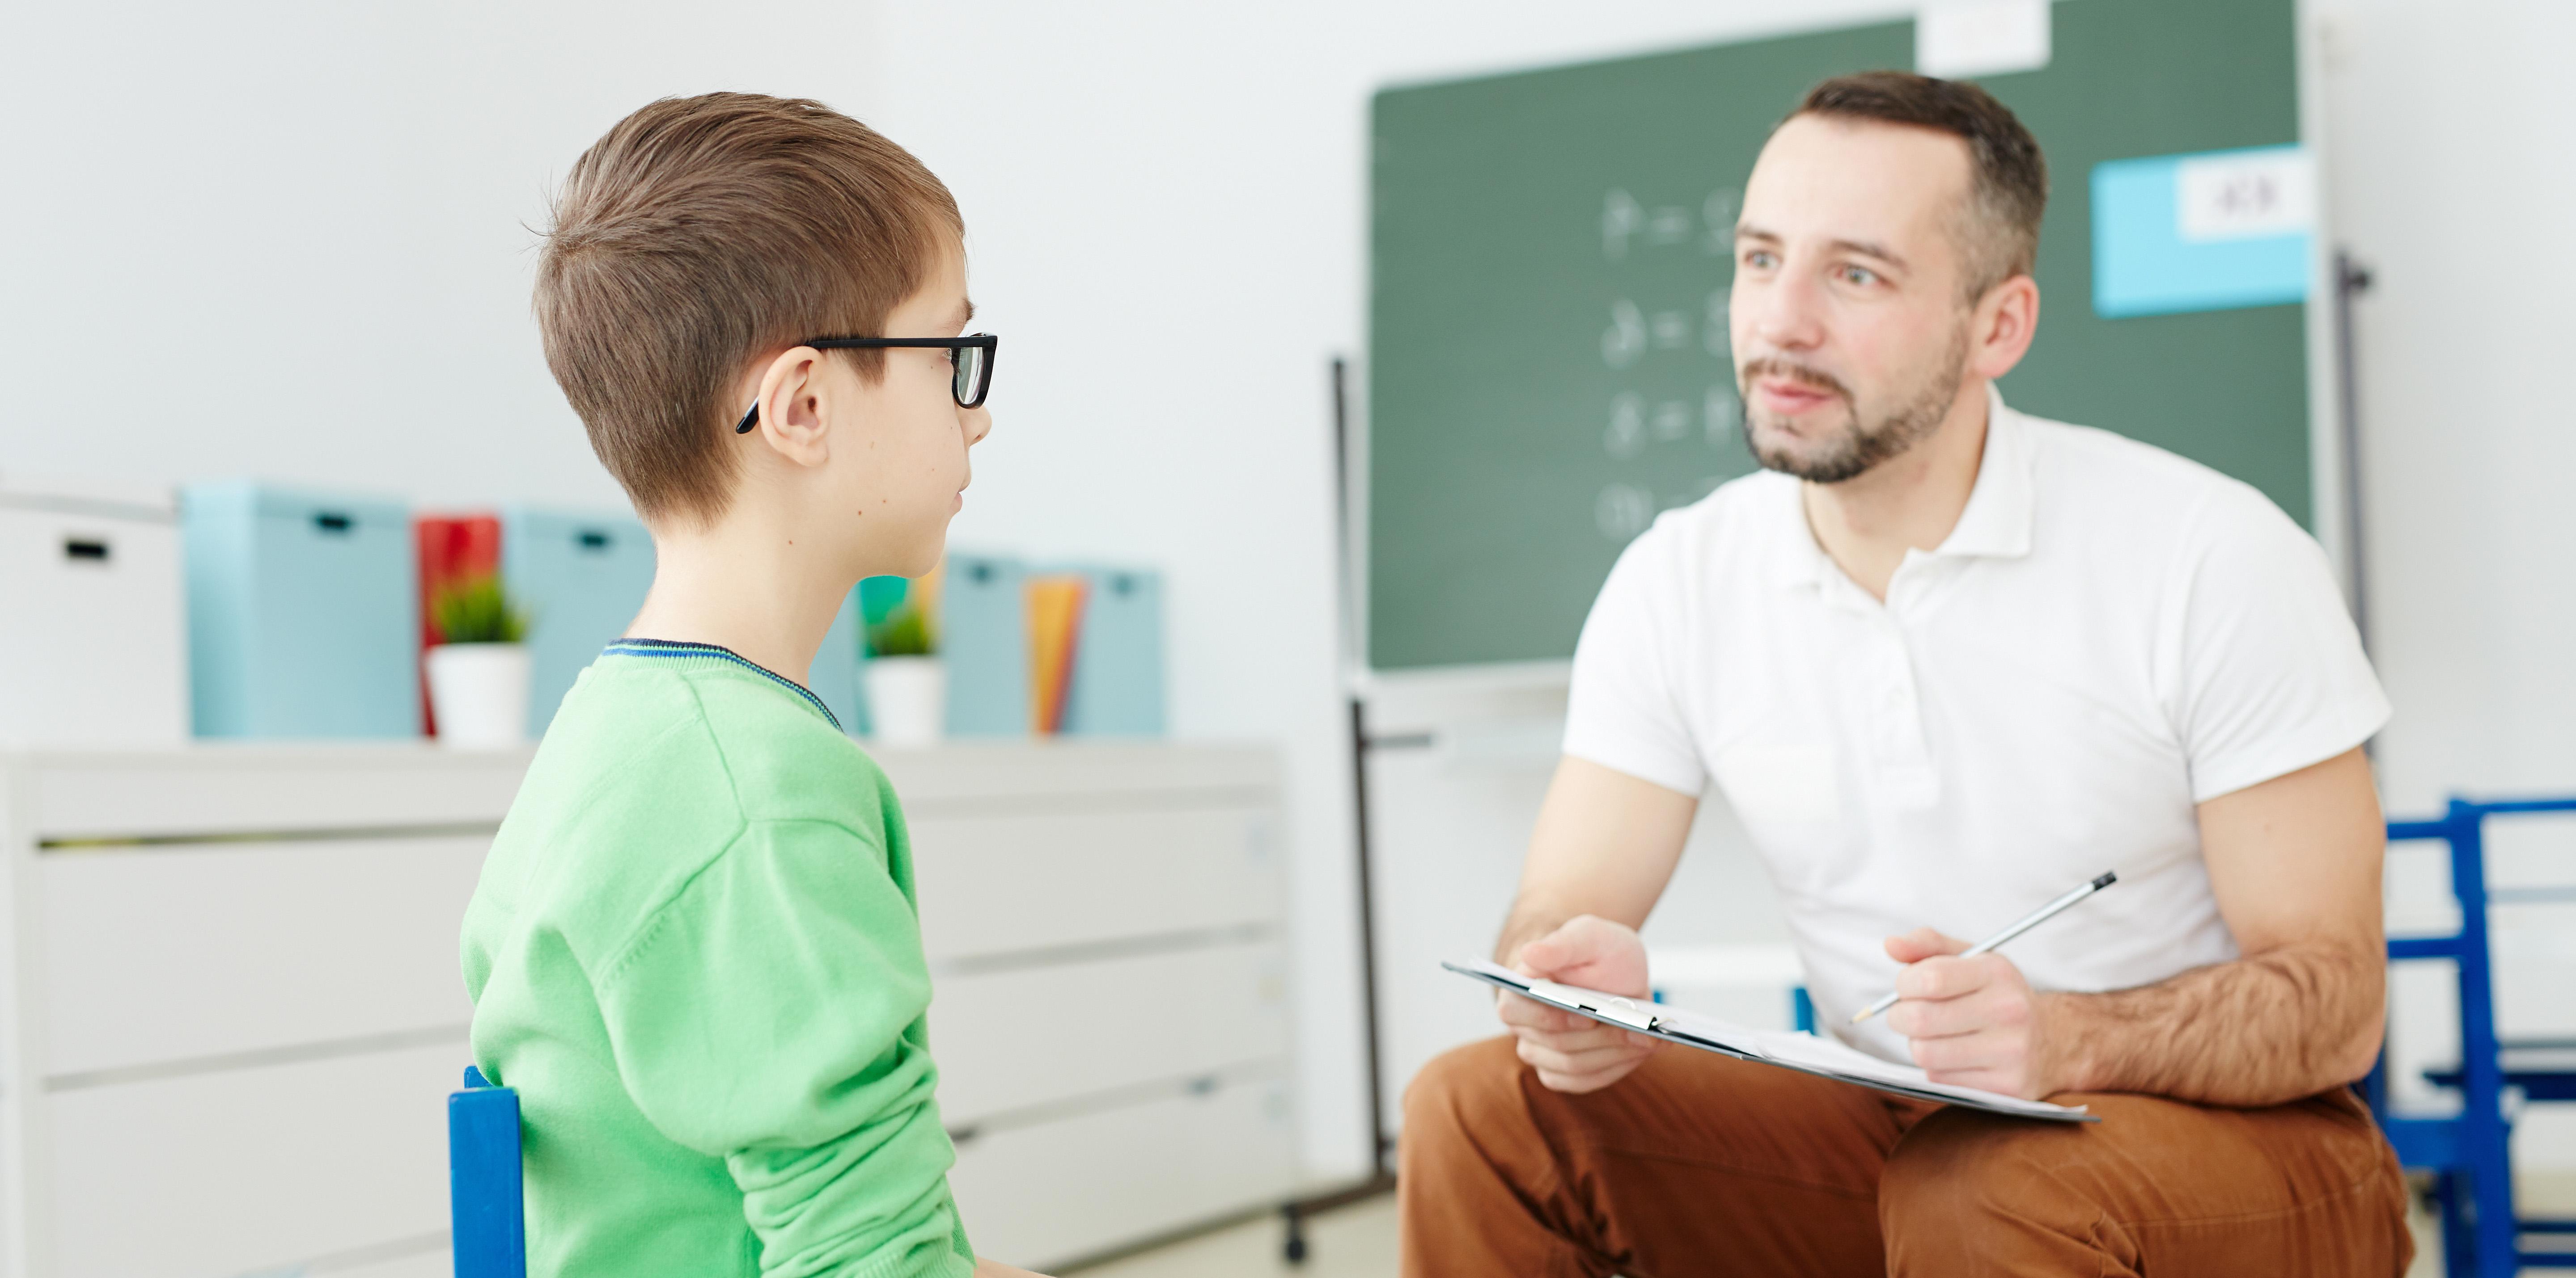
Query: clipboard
x=1806, y=1053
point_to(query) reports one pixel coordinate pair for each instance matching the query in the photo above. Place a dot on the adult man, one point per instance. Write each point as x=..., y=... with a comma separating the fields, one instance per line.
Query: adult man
x=1945, y=661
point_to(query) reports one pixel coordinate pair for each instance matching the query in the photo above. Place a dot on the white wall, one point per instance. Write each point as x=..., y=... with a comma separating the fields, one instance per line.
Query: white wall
x=2452, y=177
x=290, y=239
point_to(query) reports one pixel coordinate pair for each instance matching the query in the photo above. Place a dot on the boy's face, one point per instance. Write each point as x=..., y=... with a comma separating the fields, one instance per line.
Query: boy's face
x=897, y=455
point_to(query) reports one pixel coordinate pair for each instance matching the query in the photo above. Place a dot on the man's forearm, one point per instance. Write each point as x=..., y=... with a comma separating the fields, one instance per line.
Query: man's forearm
x=2258, y=1031
x=1531, y=918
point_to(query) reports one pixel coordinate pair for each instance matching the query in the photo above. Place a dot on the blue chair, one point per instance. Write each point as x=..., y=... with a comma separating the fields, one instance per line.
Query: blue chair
x=2470, y=1153
x=483, y=1186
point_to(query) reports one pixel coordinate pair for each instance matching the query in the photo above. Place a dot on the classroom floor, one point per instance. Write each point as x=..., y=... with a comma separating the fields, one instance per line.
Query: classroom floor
x=1359, y=1242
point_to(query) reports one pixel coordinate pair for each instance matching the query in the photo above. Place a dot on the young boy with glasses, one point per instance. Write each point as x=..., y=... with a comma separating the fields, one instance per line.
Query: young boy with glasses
x=694, y=949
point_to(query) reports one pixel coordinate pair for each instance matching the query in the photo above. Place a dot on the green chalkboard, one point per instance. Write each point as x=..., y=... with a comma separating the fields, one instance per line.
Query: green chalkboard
x=1549, y=267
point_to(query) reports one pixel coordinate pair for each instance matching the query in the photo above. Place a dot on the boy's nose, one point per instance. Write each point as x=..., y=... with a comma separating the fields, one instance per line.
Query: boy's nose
x=979, y=423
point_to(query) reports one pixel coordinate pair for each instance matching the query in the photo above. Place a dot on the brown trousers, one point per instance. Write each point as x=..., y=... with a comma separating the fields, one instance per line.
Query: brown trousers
x=1697, y=1164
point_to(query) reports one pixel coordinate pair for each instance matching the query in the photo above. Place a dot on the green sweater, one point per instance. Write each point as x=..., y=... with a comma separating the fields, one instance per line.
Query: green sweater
x=694, y=952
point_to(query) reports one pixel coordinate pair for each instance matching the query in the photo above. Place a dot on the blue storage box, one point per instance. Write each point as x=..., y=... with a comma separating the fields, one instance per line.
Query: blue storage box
x=834, y=677
x=984, y=643
x=1117, y=688
x=303, y=614
x=582, y=578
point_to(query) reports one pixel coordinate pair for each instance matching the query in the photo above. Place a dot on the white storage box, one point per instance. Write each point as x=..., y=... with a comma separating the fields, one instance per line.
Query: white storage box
x=92, y=620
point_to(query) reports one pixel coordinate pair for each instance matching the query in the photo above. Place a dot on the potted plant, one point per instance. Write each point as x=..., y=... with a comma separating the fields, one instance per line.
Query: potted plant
x=478, y=670
x=907, y=685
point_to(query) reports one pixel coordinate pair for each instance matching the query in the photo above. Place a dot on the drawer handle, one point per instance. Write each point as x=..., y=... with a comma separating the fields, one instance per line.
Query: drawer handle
x=78, y=548
x=591, y=539
x=332, y=522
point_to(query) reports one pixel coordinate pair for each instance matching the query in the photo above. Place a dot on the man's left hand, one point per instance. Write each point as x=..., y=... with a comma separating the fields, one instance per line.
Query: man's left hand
x=1974, y=1022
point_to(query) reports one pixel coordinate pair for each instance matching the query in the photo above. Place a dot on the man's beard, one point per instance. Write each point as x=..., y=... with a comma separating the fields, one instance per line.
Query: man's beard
x=1861, y=444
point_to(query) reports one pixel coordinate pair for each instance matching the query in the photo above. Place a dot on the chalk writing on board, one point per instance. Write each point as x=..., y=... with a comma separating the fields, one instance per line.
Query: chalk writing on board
x=1625, y=222
x=1722, y=415
x=1672, y=330
x=1621, y=220
x=1658, y=435
x=1622, y=511
x=1717, y=214
x=1626, y=436
x=1672, y=420
x=1625, y=339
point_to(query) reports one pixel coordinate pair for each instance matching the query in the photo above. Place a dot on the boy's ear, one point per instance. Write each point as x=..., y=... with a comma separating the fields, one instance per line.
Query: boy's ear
x=793, y=407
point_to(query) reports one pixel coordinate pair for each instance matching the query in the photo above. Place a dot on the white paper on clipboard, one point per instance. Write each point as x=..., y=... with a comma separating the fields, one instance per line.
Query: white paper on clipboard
x=1808, y=1053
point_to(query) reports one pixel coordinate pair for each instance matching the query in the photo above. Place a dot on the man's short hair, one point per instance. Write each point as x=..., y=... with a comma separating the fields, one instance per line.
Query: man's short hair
x=701, y=232
x=2008, y=183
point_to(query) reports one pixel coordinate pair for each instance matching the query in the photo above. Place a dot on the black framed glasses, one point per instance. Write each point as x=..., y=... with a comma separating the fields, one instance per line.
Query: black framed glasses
x=971, y=356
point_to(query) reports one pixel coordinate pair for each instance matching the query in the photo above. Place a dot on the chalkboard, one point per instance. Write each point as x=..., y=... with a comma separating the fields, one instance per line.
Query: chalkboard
x=1550, y=259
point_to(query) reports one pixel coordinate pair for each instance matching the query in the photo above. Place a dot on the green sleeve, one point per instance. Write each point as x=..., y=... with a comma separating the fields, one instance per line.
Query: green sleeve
x=771, y=1015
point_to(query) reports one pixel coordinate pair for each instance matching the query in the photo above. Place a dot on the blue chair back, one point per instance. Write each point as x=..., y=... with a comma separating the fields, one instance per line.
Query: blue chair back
x=2470, y=1153
x=483, y=1180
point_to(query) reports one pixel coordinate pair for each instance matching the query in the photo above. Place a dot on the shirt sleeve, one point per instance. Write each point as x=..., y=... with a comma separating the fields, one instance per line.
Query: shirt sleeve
x=1624, y=709
x=2272, y=677
x=772, y=1015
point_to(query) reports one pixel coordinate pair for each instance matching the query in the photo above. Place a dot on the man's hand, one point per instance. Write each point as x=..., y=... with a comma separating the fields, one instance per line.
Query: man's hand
x=1574, y=1053
x=1974, y=1022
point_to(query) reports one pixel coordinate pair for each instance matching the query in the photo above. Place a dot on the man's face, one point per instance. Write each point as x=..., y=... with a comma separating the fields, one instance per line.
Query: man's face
x=1848, y=314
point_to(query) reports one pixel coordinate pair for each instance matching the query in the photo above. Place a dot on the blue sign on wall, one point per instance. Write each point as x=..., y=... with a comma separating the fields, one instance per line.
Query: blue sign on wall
x=2202, y=232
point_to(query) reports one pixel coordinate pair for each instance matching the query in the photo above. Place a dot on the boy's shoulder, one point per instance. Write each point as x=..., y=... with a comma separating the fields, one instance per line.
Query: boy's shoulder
x=653, y=769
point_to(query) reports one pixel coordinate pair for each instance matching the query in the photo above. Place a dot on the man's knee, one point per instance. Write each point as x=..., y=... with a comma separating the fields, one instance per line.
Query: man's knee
x=1462, y=1090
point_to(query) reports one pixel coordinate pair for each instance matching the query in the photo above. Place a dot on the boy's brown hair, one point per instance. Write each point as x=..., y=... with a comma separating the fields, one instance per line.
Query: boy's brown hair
x=701, y=232
x=2008, y=176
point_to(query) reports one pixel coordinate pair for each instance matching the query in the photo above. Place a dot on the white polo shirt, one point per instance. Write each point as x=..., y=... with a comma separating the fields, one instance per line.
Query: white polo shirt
x=2110, y=636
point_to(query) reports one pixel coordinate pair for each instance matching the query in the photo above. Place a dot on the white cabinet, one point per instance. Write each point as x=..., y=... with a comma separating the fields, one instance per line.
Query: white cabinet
x=1106, y=928
x=231, y=1008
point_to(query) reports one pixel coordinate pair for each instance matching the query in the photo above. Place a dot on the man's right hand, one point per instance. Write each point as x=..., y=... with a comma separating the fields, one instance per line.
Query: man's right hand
x=1574, y=1053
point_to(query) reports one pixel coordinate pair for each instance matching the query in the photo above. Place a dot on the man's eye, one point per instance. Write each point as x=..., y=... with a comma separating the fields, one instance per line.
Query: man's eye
x=1760, y=259
x=1859, y=276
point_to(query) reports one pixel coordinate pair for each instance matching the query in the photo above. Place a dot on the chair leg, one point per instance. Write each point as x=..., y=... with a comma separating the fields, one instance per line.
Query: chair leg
x=2499, y=1243
x=2459, y=1245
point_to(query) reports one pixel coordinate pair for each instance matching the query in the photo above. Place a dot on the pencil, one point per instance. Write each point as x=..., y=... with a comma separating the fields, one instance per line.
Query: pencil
x=2019, y=926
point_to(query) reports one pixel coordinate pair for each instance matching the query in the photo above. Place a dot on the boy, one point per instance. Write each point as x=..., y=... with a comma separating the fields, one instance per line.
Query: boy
x=694, y=950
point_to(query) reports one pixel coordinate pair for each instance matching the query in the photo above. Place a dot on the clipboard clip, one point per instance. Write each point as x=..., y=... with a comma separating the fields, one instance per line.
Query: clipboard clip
x=1625, y=1011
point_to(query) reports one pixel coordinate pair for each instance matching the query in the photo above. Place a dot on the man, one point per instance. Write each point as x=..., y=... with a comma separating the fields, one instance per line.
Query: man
x=1945, y=662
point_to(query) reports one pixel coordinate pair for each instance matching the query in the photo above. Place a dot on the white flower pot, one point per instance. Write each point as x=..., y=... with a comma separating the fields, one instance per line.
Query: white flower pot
x=479, y=693
x=907, y=699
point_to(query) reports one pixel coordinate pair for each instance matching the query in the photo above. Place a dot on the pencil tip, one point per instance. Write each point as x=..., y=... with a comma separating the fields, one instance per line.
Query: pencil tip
x=2108, y=878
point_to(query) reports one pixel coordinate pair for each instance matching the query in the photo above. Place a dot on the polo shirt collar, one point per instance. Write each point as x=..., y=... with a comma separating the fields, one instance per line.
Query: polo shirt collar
x=1995, y=523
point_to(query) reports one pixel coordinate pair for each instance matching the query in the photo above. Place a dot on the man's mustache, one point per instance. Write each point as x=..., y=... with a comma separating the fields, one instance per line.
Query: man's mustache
x=1799, y=373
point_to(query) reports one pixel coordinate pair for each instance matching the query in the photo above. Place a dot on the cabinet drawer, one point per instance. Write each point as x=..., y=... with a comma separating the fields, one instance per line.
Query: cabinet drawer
x=1010, y=1040
x=1006, y=883
x=250, y=1171
x=1058, y=1191
x=157, y=954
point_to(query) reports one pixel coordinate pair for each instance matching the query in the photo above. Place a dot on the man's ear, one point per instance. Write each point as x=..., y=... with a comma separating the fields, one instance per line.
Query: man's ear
x=794, y=406
x=2006, y=319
